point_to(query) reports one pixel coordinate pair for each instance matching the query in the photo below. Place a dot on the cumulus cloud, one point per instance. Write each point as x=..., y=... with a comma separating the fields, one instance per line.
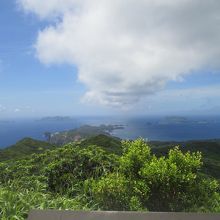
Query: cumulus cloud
x=127, y=49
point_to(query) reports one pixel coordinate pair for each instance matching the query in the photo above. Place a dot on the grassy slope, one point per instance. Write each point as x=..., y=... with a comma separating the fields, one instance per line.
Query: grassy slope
x=108, y=143
x=28, y=146
x=23, y=148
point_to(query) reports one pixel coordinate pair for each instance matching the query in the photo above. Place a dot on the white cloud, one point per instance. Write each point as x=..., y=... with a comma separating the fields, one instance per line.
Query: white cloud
x=127, y=49
x=17, y=110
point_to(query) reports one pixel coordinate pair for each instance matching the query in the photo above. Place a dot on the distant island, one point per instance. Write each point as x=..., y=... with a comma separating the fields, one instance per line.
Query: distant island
x=174, y=120
x=81, y=133
x=180, y=120
x=56, y=118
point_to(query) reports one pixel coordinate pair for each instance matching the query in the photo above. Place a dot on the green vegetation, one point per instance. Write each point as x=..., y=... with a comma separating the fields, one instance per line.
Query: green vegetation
x=210, y=150
x=108, y=143
x=23, y=148
x=81, y=133
x=128, y=176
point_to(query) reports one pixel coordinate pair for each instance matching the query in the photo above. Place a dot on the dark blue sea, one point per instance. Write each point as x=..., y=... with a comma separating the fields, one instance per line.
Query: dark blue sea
x=151, y=128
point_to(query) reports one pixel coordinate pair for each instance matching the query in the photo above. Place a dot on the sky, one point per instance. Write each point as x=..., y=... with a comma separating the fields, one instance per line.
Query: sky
x=90, y=57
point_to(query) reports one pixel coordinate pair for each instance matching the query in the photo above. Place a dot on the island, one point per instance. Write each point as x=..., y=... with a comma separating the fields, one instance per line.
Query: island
x=81, y=133
x=56, y=118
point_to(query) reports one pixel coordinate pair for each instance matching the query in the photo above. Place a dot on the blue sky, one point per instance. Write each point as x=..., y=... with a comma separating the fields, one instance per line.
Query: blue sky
x=25, y=83
x=32, y=86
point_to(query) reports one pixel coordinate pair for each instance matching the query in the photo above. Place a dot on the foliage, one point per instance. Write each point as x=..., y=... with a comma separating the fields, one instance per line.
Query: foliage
x=16, y=204
x=210, y=150
x=85, y=176
x=108, y=143
x=23, y=148
x=171, y=183
x=68, y=175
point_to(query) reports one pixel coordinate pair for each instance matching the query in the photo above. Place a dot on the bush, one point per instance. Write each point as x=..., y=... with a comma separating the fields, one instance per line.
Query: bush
x=171, y=183
x=69, y=174
x=112, y=192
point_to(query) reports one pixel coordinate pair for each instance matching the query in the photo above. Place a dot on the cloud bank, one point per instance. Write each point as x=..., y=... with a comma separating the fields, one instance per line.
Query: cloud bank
x=127, y=49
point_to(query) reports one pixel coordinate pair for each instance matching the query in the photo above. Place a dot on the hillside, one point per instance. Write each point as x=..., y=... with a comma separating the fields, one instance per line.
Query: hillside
x=210, y=149
x=95, y=174
x=28, y=146
x=23, y=148
x=79, y=134
x=106, y=142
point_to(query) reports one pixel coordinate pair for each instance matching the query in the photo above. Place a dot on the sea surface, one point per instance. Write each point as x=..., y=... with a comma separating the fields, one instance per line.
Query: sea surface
x=151, y=128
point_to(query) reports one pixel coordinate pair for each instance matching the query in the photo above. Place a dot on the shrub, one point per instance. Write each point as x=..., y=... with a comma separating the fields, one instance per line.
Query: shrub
x=172, y=183
x=68, y=175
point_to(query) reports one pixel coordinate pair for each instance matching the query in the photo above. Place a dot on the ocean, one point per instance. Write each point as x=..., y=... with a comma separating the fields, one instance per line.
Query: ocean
x=151, y=128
